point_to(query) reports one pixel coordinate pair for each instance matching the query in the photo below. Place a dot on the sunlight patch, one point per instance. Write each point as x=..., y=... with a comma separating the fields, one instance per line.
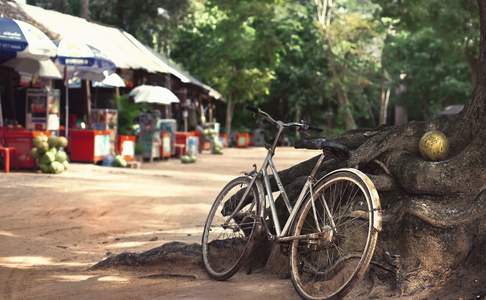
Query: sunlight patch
x=113, y=279
x=7, y=233
x=72, y=278
x=25, y=262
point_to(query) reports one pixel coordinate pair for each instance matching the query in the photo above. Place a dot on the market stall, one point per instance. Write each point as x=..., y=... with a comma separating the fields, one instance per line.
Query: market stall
x=29, y=105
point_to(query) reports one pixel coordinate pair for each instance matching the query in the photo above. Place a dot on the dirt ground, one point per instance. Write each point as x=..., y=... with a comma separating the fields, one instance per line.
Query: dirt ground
x=54, y=227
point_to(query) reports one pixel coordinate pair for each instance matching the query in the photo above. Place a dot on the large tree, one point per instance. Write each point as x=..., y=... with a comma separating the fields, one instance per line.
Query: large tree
x=232, y=46
x=433, y=211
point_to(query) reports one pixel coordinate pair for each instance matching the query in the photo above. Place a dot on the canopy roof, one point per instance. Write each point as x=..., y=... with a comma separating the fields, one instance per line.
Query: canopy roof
x=108, y=40
x=121, y=47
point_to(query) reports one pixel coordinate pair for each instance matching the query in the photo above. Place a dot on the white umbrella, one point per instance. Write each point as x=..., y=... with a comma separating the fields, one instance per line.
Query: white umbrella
x=112, y=80
x=153, y=94
x=42, y=68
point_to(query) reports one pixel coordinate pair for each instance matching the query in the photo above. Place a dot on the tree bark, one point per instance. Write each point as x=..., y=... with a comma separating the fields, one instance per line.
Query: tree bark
x=230, y=107
x=85, y=9
x=384, y=99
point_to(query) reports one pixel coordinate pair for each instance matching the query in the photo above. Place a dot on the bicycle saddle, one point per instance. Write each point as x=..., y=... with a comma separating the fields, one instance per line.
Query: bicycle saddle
x=332, y=147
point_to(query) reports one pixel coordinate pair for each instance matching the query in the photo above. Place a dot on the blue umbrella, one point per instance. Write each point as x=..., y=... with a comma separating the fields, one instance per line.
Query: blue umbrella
x=83, y=61
x=20, y=39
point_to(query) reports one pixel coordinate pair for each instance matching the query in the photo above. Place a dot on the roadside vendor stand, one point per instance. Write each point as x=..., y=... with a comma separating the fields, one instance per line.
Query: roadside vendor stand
x=41, y=118
x=90, y=146
x=26, y=51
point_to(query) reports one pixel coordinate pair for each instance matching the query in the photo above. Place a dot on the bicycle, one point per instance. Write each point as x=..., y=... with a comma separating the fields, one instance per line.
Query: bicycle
x=331, y=230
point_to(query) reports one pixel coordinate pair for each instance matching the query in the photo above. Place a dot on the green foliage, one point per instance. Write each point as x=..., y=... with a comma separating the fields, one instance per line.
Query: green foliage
x=434, y=46
x=127, y=112
x=231, y=44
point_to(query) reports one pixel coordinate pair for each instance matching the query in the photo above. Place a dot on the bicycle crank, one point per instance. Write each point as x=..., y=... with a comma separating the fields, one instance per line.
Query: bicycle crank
x=314, y=240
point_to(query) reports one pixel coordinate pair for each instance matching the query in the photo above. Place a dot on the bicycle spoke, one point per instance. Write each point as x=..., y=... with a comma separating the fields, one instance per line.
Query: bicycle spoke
x=328, y=266
x=226, y=237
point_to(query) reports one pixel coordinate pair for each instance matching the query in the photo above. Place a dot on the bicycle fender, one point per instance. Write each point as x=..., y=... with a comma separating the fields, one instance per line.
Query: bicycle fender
x=375, y=198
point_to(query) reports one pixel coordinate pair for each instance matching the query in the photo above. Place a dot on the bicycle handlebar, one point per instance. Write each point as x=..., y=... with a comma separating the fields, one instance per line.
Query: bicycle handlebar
x=265, y=115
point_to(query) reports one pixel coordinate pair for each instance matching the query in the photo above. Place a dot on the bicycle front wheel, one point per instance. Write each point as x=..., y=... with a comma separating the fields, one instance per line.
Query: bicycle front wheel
x=229, y=235
x=338, y=234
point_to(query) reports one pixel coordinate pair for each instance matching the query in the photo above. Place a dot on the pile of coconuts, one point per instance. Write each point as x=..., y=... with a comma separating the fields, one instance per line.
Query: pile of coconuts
x=49, y=154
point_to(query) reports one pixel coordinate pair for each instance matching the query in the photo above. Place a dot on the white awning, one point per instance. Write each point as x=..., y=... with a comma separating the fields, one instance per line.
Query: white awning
x=108, y=40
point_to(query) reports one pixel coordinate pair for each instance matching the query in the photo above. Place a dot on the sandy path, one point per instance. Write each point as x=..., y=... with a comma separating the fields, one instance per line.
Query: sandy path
x=53, y=227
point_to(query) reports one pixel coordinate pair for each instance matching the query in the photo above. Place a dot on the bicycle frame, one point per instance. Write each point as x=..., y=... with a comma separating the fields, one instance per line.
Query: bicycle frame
x=282, y=234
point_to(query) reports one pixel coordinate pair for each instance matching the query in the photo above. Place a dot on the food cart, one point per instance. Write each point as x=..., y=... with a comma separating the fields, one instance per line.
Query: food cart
x=92, y=145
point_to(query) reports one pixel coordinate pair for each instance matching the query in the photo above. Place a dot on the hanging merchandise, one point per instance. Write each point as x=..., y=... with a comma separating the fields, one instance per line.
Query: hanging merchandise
x=42, y=109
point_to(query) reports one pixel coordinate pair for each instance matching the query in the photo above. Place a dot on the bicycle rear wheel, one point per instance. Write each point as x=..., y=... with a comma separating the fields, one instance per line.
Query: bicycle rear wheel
x=227, y=242
x=327, y=263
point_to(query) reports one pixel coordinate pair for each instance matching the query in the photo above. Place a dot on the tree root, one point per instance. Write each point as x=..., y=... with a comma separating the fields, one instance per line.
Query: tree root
x=449, y=214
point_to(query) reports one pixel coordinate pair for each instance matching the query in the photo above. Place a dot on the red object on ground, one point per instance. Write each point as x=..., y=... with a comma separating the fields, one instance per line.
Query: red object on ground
x=251, y=142
x=166, y=145
x=126, y=146
x=181, y=137
x=225, y=139
x=242, y=140
x=180, y=149
x=21, y=140
x=89, y=145
x=5, y=152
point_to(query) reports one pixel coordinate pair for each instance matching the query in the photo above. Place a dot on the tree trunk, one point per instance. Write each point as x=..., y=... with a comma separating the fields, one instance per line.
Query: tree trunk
x=85, y=9
x=384, y=100
x=230, y=107
x=345, y=107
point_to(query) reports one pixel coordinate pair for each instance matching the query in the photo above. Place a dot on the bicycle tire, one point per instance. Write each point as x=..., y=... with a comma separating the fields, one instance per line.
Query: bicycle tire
x=249, y=232
x=327, y=289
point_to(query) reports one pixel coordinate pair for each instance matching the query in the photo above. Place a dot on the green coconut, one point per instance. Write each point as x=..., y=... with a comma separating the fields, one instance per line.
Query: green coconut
x=62, y=142
x=61, y=156
x=42, y=147
x=66, y=165
x=120, y=162
x=53, y=151
x=34, y=153
x=37, y=141
x=47, y=158
x=57, y=167
x=185, y=159
x=52, y=141
x=45, y=168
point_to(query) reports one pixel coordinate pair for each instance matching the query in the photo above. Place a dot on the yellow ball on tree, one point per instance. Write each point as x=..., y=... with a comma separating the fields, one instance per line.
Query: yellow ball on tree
x=434, y=145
